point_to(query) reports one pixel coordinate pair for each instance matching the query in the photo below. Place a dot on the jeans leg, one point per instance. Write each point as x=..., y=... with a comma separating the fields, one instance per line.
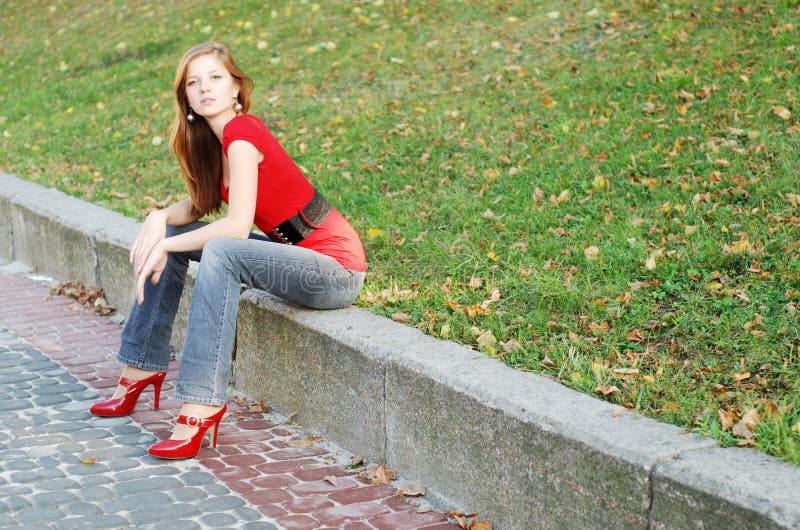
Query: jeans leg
x=295, y=273
x=145, y=337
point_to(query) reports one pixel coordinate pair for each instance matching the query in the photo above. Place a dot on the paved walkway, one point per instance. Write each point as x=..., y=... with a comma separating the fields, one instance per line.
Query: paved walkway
x=61, y=467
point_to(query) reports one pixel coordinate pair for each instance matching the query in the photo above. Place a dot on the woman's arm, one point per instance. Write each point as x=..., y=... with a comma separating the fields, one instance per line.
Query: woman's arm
x=243, y=159
x=154, y=229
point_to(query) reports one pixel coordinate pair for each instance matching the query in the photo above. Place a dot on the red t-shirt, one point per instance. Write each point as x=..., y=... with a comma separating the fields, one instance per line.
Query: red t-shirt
x=283, y=191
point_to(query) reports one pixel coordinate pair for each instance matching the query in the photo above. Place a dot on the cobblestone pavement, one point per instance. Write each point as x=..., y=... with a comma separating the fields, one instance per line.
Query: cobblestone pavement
x=61, y=467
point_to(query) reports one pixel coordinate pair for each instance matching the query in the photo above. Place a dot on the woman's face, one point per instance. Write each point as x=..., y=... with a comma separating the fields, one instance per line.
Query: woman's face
x=210, y=88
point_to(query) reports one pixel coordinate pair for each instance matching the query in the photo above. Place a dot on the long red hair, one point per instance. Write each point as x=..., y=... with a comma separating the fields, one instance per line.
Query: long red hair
x=197, y=147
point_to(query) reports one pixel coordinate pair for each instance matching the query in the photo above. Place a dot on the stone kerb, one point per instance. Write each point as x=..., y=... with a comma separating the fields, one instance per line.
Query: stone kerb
x=524, y=451
x=66, y=238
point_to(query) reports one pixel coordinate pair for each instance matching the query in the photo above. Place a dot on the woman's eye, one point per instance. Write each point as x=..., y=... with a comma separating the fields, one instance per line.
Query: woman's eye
x=190, y=83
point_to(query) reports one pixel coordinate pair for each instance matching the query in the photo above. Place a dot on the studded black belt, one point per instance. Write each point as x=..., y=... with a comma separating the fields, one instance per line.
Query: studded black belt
x=303, y=223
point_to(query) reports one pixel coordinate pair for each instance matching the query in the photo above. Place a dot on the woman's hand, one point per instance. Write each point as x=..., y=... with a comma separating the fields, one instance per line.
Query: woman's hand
x=154, y=264
x=152, y=232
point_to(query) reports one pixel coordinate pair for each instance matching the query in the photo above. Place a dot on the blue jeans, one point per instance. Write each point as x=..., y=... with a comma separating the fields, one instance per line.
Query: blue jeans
x=294, y=273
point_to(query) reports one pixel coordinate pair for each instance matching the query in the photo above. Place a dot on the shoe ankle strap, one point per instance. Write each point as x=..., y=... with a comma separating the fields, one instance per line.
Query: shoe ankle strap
x=194, y=421
x=127, y=383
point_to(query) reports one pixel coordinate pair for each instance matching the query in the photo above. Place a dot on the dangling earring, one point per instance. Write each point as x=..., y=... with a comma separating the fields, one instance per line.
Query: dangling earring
x=190, y=116
x=237, y=107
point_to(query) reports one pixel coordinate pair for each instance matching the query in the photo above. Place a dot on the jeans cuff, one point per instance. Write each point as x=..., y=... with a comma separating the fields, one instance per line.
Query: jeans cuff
x=136, y=363
x=200, y=400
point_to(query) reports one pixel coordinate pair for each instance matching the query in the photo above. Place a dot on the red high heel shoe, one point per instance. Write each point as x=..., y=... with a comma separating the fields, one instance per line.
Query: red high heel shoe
x=125, y=404
x=177, y=449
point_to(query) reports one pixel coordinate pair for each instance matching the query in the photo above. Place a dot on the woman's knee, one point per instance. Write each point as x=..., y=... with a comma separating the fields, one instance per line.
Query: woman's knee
x=218, y=252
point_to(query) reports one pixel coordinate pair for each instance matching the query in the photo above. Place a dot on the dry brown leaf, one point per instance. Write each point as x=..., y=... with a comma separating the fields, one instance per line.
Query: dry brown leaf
x=725, y=419
x=383, y=475
x=751, y=419
x=634, y=336
x=481, y=525
x=475, y=310
x=547, y=363
x=400, y=317
x=486, y=338
x=412, y=488
x=650, y=262
x=303, y=444
x=602, y=327
x=91, y=460
x=741, y=430
x=771, y=410
x=606, y=390
x=357, y=460
x=331, y=480
x=458, y=515
x=258, y=407
x=291, y=417
x=591, y=253
x=782, y=112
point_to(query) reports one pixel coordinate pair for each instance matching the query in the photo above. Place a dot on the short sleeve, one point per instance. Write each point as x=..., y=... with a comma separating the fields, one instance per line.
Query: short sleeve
x=244, y=127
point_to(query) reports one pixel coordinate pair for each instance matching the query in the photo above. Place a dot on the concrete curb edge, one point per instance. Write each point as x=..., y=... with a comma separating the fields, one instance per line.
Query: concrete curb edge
x=522, y=450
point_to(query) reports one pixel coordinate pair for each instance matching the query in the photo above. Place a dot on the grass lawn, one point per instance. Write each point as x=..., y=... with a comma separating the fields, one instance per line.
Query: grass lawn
x=604, y=193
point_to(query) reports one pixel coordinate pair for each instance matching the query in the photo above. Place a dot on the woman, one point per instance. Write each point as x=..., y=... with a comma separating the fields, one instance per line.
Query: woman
x=312, y=255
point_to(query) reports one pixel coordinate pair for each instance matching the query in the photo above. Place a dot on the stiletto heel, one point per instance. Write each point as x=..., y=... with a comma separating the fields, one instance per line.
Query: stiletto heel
x=125, y=404
x=177, y=449
x=157, y=390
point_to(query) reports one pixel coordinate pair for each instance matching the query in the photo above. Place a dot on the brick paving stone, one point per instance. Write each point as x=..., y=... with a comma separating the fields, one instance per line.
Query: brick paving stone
x=286, y=466
x=320, y=472
x=188, y=494
x=368, y=493
x=322, y=487
x=272, y=511
x=307, y=504
x=261, y=497
x=243, y=460
x=221, y=503
x=51, y=498
x=162, y=512
x=406, y=520
x=441, y=526
x=235, y=473
x=83, y=508
x=38, y=515
x=55, y=360
x=357, y=526
x=273, y=481
x=92, y=522
x=350, y=512
x=259, y=526
x=218, y=520
x=293, y=454
x=240, y=486
x=298, y=522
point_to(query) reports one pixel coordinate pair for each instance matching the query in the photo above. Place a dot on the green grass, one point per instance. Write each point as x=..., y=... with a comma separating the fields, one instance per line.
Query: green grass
x=621, y=175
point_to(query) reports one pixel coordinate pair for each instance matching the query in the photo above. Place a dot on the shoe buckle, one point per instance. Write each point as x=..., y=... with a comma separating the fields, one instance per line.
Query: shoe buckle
x=192, y=421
